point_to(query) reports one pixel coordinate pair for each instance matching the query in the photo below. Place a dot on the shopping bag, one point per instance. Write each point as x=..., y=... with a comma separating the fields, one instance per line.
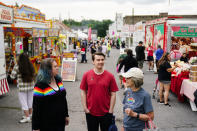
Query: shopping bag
x=113, y=126
x=150, y=126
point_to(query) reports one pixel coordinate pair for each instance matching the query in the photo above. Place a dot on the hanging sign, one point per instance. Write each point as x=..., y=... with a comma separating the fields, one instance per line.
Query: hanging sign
x=6, y=14
x=53, y=32
x=40, y=32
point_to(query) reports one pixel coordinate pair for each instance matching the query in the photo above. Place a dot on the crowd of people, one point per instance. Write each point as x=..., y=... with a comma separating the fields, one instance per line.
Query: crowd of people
x=43, y=97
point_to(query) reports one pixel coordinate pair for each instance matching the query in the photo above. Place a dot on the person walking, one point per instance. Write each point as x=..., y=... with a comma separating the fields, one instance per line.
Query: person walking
x=164, y=77
x=137, y=105
x=123, y=44
x=128, y=62
x=140, y=55
x=83, y=54
x=93, y=49
x=150, y=58
x=99, y=47
x=120, y=59
x=25, y=74
x=108, y=48
x=98, y=95
x=50, y=110
x=158, y=53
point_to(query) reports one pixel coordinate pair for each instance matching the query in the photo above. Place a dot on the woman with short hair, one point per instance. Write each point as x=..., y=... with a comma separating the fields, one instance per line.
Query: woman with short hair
x=50, y=110
x=137, y=107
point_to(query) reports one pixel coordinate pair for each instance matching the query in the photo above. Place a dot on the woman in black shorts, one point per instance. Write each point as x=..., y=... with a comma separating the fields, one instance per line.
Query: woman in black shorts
x=164, y=77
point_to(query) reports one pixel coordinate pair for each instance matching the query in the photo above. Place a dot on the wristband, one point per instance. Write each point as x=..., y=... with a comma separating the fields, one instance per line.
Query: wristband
x=138, y=115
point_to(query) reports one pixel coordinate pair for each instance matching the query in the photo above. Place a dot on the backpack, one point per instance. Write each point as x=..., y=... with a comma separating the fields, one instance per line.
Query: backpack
x=113, y=126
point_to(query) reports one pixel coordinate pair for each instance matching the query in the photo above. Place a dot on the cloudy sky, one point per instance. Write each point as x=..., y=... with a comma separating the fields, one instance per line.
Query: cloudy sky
x=106, y=9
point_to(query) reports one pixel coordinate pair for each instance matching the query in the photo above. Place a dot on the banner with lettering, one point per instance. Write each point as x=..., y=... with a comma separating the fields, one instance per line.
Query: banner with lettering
x=6, y=14
x=40, y=32
x=184, y=31
x=26, y=12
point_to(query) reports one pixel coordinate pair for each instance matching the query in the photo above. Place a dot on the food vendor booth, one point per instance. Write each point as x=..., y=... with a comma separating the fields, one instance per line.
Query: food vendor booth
x=40, y=44
x=177, y=36
x=55, y=44
x=6, y=17
x=23, y=34
x=16, y=41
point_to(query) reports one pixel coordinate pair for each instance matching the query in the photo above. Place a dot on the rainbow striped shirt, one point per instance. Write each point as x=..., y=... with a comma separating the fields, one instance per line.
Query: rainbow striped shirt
x=47, y=91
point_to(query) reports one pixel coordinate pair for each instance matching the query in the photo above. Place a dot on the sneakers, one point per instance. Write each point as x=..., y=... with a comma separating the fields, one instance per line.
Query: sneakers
x=25, y=120
x=160, y=102
x=25, y=116
x=167, y=104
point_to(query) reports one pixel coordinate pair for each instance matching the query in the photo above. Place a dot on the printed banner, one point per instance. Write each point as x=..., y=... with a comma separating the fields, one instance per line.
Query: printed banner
x=158, y=35
x=184, y=31
x=28, y=13
x=68, y=72
x=149, y=35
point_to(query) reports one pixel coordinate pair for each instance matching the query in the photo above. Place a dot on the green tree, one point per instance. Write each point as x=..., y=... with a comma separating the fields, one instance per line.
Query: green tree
x=100, y=26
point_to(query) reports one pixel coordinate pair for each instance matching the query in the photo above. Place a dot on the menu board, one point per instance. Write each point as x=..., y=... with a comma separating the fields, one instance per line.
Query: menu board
x=68, y=72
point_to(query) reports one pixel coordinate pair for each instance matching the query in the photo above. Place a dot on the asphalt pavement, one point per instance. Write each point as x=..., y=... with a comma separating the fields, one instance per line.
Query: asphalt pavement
x=178, y=117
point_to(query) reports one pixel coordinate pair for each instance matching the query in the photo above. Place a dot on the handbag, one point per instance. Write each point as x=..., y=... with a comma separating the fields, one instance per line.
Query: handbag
x=150, y=126
x=113, y=126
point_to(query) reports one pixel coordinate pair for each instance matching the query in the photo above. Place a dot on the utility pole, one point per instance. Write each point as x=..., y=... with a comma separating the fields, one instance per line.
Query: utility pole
x=133, y=15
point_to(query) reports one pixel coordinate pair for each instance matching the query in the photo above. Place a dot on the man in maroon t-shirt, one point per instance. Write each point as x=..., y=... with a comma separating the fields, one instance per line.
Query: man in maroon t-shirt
x=98, y=94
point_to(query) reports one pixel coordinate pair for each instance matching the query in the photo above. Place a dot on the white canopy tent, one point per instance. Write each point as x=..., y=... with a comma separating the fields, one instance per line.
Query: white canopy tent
x=82, y=35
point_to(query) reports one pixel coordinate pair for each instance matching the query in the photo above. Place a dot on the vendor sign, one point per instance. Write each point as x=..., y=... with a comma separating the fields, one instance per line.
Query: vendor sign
x=68, y=72
x=40, y=32
x=184, y=31
x=68, y=55
x=25, y=12
x=6, y=14
x=53, y=32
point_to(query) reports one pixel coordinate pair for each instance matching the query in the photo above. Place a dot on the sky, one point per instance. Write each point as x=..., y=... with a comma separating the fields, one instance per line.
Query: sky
x=107, y=9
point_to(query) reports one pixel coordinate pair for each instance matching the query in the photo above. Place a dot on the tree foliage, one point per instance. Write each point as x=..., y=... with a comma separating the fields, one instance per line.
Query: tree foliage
x=100, y=26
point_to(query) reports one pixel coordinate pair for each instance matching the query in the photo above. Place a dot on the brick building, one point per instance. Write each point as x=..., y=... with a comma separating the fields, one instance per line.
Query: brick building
x=137, y=18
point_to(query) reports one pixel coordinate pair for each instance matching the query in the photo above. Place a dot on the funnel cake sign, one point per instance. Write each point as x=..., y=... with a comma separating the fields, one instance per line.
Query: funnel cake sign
x=6, y=14
x=184, y=31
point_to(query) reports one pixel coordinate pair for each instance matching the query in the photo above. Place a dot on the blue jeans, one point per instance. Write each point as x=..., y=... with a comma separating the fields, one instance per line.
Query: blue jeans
x=108, y=52
x=83, y=58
